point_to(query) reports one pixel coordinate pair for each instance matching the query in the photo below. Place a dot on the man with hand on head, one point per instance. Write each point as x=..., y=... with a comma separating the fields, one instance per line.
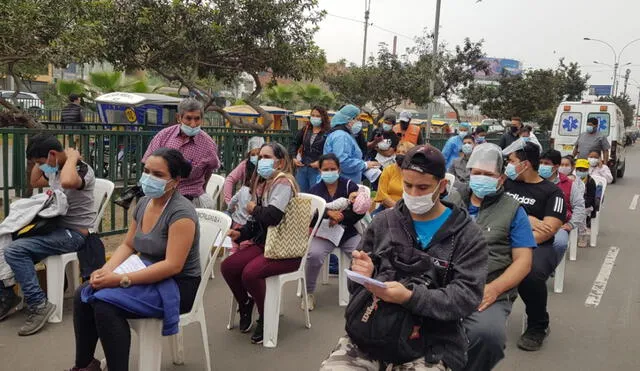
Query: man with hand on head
x=507, y=231
x=453, y=147
x=432, y=259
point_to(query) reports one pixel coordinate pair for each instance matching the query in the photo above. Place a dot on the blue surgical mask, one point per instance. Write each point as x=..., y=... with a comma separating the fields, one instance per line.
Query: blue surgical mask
x=48, y=169
x=525, y=139
x=254, y=160
x=189, y=131
x=480, y=140
x=511, y=172
x=152, y=186
x=545, y=171
x=482, y=185
x=329, y=177
x=590, y=129
x=467, y=148
x=582, y=174
x=387, y=127
x=316, y=121
x=265, y=167
x=463, y=134
x=356, y=128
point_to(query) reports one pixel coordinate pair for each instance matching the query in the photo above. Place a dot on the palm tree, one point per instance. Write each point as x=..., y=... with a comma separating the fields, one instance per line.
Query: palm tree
x=314, y=95
x=281, y=96
x=108, y=82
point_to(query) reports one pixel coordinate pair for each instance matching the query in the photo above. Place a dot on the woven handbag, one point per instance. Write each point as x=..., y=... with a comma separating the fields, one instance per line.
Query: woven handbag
x=289, y=239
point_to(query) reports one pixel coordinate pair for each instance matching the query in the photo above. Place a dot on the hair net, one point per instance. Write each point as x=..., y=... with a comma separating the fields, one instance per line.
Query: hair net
x=487, y=157
x=465, y=125
x=255, y=142
x=344, y=115
x=520, y=143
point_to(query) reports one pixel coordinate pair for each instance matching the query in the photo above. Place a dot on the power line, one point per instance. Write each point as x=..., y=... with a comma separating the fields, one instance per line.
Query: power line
x=371, y=25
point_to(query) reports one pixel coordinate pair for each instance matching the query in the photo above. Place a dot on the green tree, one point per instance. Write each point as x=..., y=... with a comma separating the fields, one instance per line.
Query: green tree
x=184, y=40
x=575, y=83
x=314, y=95
x=100, y=83
x=281, y=96
x=624, y=102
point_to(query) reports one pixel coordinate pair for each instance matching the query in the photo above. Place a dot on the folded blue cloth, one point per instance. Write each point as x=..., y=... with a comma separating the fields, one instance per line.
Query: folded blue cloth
x=156, y=300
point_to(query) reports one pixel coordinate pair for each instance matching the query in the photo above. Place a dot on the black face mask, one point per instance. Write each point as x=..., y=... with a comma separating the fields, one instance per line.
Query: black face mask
x=399, y=159
x=514, y=129
x=404, y=125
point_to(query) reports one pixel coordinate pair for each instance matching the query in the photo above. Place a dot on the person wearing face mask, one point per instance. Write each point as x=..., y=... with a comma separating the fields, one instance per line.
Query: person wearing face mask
x=333, y=187
x=591, y=140
x=590, y=200
x=61, y=170
x=458, y=167
x=245, y=271
x=597, y=168
x=480, y=135
x=407, y=131
x=545, y=204
x=511, y=134
x=341, y=142
x=573, y=197
x=165, y=233
x=420, y=229
x=245, y=169
x=567, y=167
x=507, y=231
x=196, y=146
x=307, y=148
x=453, y=147
x=390, y=187
x=383, y=133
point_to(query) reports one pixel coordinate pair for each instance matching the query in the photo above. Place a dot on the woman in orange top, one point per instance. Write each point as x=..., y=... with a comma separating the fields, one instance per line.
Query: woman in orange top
x=390, y=186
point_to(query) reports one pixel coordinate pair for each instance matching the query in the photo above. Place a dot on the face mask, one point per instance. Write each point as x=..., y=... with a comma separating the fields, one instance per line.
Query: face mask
x=566, y=170
x=399, y=159
x=356, y=127
x=329, y=177
x=581, y=174
x=593, y=162
x=48, y=169
x=404, y=125
x=467, y=148
x=420, y=205
x=545, y=171
x=152, y=186
x=316, y=121
x=525, y=139
x=480, y=140
x=463, y=134
x=482, y=185
x=265, y=167
x=384, y=145
x=514, y=129
x=189, y=131
x=254, y=160
x=387, y=127
x=590, y=129
x=511, y=172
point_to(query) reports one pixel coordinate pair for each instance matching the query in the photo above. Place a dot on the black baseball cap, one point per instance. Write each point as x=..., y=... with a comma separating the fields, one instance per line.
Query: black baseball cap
x=425, y=159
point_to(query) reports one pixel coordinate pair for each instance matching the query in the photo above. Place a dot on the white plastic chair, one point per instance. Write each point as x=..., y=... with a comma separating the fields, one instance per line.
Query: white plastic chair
x=573, y=244
x=558, y=278
x=451, y=179
x=149, y=330
x=214, y=187
x=595, y=222
x=274, y=284
x=57, y=264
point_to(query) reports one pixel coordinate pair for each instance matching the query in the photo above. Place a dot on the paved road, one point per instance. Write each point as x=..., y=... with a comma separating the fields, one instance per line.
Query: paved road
x=582, y=338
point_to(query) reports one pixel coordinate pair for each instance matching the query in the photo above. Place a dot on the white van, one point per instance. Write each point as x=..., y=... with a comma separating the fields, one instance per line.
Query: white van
x=571, y=120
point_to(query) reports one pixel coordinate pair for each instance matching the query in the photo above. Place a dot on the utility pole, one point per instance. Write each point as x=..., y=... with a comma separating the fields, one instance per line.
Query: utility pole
x=433, y=67
x=638, y=105
x=626, y=81
x=367, y=8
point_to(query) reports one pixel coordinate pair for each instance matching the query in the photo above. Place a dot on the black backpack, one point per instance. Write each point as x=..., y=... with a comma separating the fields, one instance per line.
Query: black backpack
x=389, y=332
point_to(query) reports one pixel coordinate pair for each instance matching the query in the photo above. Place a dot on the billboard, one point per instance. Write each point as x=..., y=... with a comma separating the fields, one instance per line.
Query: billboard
x=498, y=66
x=600, y=90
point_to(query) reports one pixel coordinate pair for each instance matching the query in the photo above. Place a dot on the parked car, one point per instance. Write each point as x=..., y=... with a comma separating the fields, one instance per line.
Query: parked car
x=27, y=101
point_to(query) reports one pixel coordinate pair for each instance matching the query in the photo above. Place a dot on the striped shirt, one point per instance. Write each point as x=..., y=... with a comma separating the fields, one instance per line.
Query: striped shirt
x=201, y=151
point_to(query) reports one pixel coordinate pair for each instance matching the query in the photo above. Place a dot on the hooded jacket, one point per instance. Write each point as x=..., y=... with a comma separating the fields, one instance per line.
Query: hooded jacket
x=391, y=238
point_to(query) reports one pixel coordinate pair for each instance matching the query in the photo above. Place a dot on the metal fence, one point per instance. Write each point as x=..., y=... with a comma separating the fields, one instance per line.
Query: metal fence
x=115, y=151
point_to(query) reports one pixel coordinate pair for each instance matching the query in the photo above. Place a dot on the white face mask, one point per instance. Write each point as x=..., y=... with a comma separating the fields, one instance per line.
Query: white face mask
x=420, y=205
x=566, y=170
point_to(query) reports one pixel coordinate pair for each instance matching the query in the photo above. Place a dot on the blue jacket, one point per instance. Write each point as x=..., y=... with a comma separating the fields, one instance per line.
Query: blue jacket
x=341, y=143
x=156, y=300
x=452, y=149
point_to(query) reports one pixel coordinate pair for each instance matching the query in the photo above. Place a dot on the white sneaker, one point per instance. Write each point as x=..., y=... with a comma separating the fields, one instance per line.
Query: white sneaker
x=311, y=302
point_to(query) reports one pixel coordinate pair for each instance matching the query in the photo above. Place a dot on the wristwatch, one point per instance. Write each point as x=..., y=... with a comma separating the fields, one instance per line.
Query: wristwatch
x=125, y=282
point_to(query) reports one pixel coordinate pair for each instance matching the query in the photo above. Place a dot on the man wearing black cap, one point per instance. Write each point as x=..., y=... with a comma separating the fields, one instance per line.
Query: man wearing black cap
x=432, y=259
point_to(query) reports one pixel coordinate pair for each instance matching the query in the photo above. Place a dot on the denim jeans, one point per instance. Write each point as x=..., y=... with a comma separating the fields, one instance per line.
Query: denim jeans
x=23, y=253
x=307, y=177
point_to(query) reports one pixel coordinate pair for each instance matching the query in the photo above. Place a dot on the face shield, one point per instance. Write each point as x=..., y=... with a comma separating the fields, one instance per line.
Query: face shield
x=486, y=157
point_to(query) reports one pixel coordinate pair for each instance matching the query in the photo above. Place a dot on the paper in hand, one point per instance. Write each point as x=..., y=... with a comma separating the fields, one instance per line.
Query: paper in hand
x=373, y=174
x=132, y=264
x=227, y=243
x=358, y=278
x=330, y=233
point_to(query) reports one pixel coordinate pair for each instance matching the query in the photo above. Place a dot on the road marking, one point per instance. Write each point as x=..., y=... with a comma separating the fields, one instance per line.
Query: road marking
x=634, y=202
x=600, y=284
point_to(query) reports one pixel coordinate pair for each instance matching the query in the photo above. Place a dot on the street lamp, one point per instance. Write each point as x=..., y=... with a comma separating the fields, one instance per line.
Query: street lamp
x=616, y=59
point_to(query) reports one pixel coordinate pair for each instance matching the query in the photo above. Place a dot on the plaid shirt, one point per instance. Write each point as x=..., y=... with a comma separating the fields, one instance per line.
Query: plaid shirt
x=201, y=151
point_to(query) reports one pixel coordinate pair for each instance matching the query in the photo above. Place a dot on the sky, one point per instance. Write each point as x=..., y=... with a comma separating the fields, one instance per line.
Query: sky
x=535, y=32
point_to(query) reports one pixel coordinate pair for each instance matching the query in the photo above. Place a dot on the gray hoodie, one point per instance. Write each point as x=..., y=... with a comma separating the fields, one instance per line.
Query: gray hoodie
x=392, y=237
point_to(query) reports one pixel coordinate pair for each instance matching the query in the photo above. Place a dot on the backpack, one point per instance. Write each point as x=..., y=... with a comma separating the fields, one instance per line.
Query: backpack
x=389, y=332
